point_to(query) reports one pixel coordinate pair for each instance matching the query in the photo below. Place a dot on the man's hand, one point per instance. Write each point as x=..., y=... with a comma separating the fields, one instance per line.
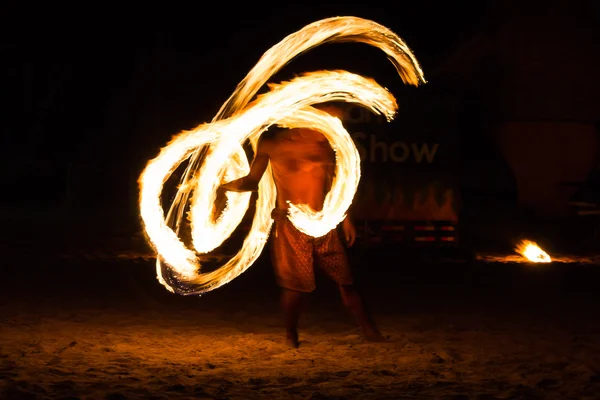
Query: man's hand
x=244, y=184
x=226, y=186
x=349, y=231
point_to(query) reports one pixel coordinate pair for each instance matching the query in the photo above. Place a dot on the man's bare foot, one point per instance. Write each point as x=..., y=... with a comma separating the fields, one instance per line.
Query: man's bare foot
x=374, y=336
x=291, y=340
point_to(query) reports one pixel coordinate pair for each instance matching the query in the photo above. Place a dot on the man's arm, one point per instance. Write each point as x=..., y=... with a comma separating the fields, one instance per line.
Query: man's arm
x=249, y=183
x=348, y=227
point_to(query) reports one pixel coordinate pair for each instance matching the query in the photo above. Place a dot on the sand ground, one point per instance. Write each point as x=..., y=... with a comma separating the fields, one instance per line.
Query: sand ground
x=104, y=328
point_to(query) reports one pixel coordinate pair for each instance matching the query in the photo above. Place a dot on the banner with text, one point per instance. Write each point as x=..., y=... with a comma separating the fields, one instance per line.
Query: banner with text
x=409, y=165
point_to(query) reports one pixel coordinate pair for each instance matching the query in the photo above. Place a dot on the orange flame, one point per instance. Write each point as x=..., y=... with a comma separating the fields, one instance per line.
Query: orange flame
x=287, y=104
x=532, y=252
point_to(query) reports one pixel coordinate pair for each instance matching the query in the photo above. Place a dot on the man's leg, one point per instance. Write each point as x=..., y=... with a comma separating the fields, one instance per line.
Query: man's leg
x=292, y=257
x=292, y=304
x=333, y=260
x=355, y=303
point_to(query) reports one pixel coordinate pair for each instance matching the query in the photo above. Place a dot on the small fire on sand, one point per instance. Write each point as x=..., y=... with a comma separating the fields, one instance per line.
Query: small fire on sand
x=532, y=252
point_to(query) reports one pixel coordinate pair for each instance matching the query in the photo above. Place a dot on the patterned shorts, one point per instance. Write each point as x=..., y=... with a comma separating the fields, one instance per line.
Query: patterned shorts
x=295, y=254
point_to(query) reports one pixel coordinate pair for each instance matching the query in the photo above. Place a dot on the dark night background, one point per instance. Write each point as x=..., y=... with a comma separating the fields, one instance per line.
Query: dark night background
x=90, y=97
x=103, y=96
x=91, y=93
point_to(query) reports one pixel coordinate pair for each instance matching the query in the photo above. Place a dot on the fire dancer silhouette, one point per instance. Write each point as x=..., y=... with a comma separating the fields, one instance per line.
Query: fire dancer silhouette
x=303, y=164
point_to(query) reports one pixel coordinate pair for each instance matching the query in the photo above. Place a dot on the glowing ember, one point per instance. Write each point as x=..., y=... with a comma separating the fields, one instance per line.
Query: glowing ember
x=216, y=155
x=532, y=252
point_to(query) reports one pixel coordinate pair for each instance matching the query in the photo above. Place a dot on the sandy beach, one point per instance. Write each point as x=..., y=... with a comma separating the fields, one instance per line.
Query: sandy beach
x=104, y=328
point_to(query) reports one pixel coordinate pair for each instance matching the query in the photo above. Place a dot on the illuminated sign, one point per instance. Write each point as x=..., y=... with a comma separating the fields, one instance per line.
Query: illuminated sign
x=373, y=148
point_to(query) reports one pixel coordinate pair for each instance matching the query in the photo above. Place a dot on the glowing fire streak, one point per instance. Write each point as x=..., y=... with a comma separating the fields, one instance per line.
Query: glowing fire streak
x=216, y=155
x=532, y=252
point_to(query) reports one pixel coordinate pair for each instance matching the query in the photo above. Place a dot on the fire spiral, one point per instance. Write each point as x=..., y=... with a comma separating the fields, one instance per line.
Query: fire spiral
x=215, y=154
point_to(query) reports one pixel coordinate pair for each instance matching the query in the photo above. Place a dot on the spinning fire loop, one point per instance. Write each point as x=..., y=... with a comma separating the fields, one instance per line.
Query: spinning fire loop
x=215, y=154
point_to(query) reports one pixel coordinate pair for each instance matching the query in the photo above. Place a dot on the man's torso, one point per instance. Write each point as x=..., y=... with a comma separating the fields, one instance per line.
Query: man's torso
x=302, y=162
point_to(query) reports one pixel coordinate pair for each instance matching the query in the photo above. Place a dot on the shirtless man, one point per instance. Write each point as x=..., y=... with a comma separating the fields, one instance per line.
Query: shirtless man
x=303, y=163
